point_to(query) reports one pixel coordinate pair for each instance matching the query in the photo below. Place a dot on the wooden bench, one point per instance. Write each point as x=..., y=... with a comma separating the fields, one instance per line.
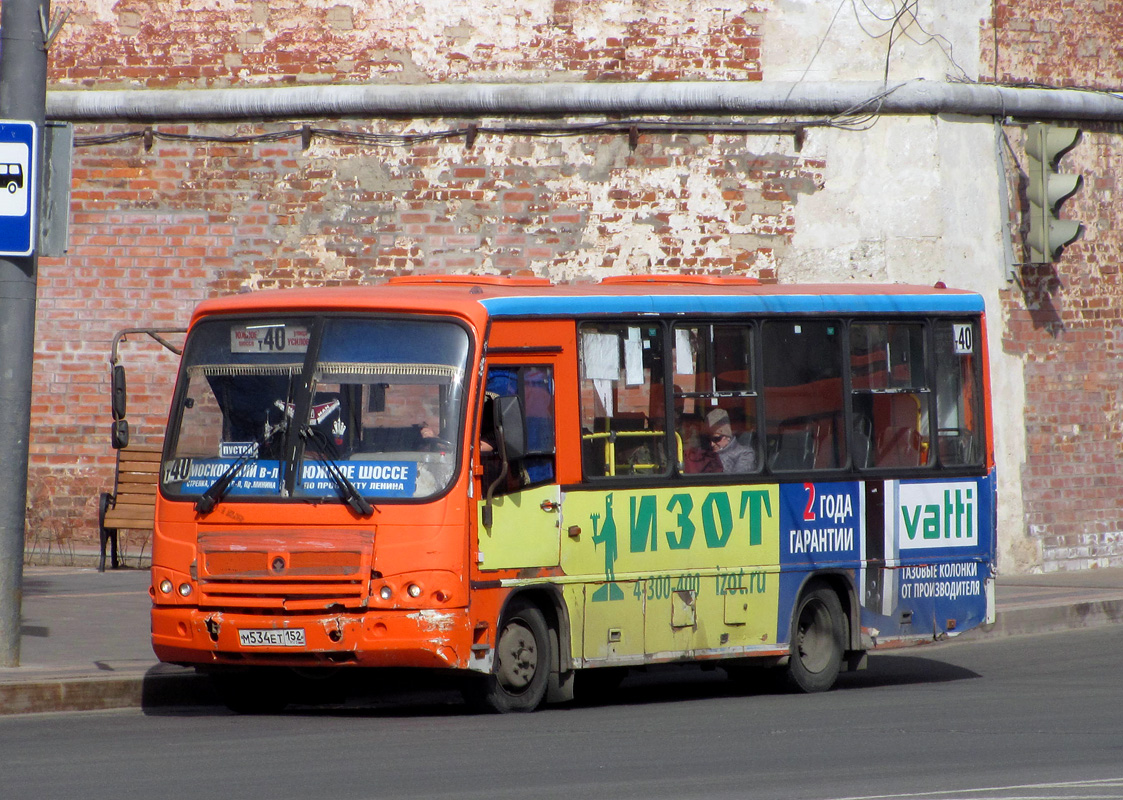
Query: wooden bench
x=131, y=505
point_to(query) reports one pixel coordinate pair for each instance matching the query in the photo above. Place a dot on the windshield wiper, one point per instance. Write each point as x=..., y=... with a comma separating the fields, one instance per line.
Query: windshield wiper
x=217, y=490
x=348, y=492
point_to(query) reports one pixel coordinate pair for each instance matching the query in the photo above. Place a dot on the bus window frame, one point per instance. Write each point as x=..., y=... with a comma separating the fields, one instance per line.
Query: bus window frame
x=841, y=437
x=663, y=392
x=520, y=367
x=934, y=464
x=752, y=396
x=848, y=468
x=925, y=411
x=982, y=410
x=319, y=319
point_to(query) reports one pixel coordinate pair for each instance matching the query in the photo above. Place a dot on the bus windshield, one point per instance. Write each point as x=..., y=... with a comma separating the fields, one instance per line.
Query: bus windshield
x=380, y=403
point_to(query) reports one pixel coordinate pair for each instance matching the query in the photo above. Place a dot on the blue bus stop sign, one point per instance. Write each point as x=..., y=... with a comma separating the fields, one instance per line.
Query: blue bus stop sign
x=17, y=188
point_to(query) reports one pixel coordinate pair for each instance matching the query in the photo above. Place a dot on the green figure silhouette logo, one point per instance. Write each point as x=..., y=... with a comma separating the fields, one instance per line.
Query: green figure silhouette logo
x=606, y=534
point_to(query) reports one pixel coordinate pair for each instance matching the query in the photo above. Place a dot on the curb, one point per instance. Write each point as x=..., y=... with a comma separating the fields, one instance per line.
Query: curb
x=1051, y=619
x=165, y=687
x=76, y=694
x=158, y=688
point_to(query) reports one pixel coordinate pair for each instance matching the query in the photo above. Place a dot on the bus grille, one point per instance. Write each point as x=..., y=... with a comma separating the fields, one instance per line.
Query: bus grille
x=309, y=571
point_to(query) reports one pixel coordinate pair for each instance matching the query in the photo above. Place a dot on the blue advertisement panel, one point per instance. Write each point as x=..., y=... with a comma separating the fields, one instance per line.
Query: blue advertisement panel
x=820, y=527
x=17, y=188
x=918, y=552
x=938, y=547
x=820, y=523
x=262, y=478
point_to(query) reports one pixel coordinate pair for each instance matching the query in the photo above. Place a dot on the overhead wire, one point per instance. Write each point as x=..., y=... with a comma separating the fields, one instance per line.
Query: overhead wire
x=901, y=21
x=911, y=9
x=856, y=115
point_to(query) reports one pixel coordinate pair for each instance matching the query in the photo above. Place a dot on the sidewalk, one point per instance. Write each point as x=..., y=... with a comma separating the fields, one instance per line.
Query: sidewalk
x=85, y=645
x=85, y=639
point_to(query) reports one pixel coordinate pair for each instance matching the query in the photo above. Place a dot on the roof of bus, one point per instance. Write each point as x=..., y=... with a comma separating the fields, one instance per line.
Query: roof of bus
x=477, y=297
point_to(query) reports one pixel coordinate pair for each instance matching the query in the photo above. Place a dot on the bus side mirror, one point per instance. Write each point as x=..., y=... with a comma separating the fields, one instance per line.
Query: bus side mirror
x=120, y=435
x=509, y=422
x=117, y=382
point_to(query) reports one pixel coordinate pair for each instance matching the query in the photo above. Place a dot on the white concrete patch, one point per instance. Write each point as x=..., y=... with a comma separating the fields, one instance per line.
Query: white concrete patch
x=814, y=40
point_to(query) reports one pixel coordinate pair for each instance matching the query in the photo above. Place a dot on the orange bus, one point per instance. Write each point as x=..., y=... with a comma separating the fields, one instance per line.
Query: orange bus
x=533, y=485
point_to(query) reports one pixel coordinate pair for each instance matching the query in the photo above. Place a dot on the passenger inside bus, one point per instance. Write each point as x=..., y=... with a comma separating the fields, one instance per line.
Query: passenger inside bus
x=734, y=456
x=699, y=456
x=691, y=437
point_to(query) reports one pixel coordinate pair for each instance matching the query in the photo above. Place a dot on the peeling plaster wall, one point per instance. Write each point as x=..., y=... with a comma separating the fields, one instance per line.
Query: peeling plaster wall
x=226, y=42
x=897, y=206
x=896, y=199
x=1063, y=320
x=570, y=208
x=815, y=41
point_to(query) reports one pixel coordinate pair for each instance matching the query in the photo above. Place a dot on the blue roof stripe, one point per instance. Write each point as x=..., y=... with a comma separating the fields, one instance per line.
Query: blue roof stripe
x=547, y=305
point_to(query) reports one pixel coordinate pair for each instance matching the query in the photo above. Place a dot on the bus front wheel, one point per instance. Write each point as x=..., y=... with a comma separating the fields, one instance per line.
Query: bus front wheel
x=522, y=662
x=817, y=641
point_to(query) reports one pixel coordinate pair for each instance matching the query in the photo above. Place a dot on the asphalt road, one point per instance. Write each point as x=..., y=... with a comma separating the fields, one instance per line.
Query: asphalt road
x=1034, y=716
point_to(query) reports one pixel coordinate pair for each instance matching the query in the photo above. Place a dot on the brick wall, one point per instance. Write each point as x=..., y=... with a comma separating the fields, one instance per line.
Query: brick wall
x=1065, y=319
x=155, y=230
x=154, y=44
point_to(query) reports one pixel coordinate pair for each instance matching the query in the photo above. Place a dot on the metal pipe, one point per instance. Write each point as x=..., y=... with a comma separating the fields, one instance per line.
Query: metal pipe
x=720, y=98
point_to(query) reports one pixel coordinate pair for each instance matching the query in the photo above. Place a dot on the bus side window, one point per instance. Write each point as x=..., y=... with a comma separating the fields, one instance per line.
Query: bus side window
x=958, y=394
x=715, y=382
x=623, y=419
x=803, y=394
x=534, y=386
x=890, y=394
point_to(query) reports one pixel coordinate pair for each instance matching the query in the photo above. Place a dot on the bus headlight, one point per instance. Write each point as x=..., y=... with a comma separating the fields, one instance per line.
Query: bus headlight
x=184, y=589
x=166, y=586
x=385, y=592
x=413, y=590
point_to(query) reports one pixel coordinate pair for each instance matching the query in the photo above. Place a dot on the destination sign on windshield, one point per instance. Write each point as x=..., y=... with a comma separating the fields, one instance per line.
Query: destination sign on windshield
x=269, y=338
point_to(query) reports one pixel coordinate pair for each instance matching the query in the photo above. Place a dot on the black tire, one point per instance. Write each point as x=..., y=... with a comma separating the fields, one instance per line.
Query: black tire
x=523, y=656
x=252, y=691
x=818, y=640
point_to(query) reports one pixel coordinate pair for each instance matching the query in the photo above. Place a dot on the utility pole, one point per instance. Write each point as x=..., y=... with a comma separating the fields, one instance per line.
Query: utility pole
x=23, y=97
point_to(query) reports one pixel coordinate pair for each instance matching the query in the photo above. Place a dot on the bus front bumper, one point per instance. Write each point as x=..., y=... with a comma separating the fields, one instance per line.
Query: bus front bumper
x=400, y=638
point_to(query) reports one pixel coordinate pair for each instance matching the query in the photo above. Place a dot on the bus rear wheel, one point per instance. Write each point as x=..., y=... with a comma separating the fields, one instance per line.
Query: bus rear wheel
x=817, y=641
x=522, y=662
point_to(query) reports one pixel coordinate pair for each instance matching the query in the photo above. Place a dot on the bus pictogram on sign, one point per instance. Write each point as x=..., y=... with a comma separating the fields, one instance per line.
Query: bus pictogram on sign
x=17, y=188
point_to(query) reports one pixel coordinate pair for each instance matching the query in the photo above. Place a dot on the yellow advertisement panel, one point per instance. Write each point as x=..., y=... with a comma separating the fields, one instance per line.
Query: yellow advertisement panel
x=671, y=571
x=640, y=531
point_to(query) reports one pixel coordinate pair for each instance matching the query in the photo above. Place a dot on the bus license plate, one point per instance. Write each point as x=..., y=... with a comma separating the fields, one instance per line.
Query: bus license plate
x=272, y=637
